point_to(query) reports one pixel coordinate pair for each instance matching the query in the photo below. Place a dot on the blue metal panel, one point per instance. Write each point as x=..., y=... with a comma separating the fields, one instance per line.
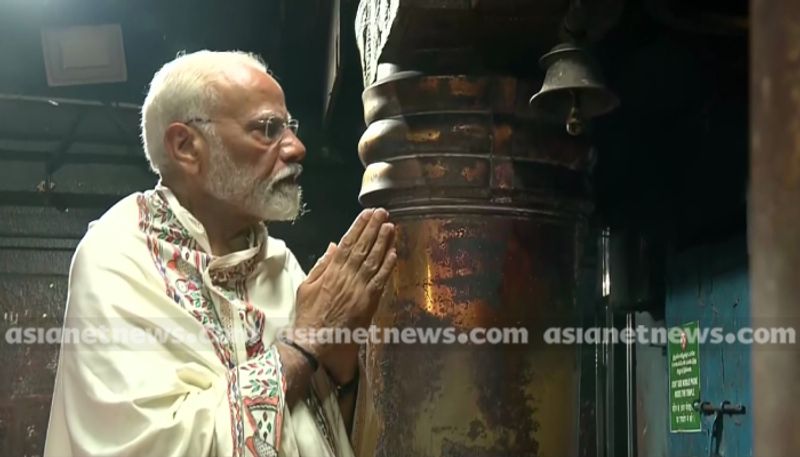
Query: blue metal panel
x=710, y=284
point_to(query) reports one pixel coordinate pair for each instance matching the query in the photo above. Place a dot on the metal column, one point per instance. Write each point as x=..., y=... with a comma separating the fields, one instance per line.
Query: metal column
x=489, y=206
x=774, y=219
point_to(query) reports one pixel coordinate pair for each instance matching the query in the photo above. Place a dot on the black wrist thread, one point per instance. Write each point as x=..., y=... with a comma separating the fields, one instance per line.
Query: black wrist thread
x=312, y=361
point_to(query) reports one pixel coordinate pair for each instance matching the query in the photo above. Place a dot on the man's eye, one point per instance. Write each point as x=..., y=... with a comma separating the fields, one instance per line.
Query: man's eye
x=274, y=128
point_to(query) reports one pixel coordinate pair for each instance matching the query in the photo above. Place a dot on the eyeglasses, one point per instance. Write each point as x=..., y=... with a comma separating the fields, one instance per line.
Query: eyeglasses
x=273, y=127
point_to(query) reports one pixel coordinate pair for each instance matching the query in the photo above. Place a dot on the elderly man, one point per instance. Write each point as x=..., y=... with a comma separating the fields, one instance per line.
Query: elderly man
x=192, y=257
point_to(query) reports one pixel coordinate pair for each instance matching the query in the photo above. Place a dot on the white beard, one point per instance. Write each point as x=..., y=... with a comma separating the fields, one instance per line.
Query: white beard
x=273, y=199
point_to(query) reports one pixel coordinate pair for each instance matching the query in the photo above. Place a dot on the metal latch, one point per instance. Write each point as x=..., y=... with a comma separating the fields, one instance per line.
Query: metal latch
x=707, y=408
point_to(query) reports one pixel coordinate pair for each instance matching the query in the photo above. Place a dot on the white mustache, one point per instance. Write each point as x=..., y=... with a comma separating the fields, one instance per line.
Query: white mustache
x=293, y=170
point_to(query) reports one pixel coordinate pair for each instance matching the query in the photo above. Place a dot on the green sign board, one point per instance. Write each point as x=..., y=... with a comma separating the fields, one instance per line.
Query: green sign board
x=684, y=377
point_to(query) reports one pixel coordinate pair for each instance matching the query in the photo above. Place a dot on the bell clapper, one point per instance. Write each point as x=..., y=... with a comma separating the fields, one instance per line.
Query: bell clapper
x=574, y=122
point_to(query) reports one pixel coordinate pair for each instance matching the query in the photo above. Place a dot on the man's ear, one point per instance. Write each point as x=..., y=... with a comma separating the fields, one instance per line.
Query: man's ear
x=184, y=146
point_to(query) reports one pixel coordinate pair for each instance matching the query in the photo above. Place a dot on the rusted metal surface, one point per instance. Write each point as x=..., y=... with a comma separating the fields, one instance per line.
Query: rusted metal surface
x=774, y=218
x=35, y=249
x=467, y=141
x=489, y=206
x=27, y=301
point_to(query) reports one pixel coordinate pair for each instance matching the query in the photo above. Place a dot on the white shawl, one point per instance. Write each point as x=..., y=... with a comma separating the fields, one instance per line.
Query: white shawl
x=144, y=268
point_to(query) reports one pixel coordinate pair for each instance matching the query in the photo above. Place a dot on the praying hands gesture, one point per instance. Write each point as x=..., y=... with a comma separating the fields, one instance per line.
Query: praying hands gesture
x=343, y=290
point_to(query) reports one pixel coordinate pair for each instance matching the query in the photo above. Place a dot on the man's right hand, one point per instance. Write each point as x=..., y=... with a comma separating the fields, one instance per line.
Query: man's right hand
x=344, y=289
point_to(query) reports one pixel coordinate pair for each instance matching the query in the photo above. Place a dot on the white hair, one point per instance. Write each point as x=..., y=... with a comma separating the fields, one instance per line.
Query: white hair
x=184, y=89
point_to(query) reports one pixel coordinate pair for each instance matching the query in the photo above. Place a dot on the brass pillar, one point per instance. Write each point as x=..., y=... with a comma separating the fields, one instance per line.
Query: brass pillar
x=774, y=217
x=490, y=204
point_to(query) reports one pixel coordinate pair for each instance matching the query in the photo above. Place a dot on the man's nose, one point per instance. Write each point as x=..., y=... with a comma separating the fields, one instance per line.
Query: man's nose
x=292, y=149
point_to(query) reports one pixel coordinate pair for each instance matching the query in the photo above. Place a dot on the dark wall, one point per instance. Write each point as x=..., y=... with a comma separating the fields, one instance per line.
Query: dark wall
x=673, y=158
x=36, y=245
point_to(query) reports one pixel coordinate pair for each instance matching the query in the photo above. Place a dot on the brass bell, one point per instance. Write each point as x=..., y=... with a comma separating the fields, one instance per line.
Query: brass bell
x=573, y=90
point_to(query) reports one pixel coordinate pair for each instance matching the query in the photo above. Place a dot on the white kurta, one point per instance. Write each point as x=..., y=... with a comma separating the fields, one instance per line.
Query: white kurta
x=144, y=269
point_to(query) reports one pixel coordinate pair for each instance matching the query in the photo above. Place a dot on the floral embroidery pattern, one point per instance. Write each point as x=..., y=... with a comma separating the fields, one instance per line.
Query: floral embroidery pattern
x=263, y=407
x=257, y=383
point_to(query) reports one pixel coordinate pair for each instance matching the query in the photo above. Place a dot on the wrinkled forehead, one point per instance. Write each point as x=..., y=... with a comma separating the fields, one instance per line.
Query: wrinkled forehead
x=246, y=92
